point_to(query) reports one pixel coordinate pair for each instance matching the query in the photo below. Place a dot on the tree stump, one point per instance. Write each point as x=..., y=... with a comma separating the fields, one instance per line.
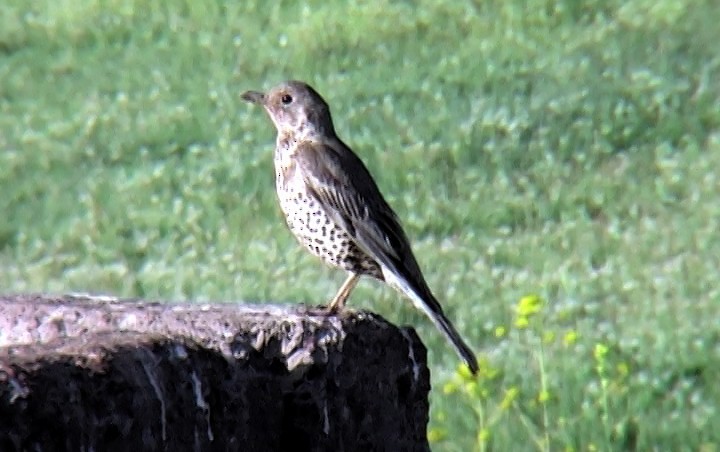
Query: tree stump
x=99, y=373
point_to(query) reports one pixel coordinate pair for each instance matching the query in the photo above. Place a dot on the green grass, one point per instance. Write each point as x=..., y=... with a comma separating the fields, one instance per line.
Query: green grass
x=563, y=149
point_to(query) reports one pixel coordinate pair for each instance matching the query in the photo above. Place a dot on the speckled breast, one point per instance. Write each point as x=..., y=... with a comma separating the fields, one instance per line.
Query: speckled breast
x=313, y=228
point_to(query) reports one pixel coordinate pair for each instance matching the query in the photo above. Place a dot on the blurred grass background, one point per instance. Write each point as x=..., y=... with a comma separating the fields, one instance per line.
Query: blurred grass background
x=555, y=163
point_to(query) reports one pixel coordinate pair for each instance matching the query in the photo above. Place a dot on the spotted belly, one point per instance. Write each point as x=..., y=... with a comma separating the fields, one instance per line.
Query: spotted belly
x=324, y=238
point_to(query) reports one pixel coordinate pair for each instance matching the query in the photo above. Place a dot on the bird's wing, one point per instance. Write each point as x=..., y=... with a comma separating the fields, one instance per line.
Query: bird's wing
x=339, y=180
x=342, y=185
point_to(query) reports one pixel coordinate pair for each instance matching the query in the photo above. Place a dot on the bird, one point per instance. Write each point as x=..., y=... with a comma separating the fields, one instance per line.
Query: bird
x=335, y=209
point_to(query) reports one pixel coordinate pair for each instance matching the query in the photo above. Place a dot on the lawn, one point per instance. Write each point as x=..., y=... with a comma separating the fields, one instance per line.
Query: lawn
x=555, y=164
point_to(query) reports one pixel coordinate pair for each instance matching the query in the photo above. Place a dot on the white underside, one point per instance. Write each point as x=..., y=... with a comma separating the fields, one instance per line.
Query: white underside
x=402, y=286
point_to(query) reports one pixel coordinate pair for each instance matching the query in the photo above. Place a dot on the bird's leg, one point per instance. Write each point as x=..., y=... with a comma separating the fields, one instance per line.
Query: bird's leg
x=338, y=302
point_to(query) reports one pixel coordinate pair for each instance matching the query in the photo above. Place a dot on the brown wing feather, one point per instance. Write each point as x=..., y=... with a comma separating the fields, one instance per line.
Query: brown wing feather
x=357, y=205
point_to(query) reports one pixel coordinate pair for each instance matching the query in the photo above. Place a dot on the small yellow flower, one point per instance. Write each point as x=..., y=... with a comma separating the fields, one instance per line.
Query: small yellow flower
x=529, y=305
x=623, y=370
x=483, y=436
x=570, y=338
x=473, y=389
x=543, y=396
x=436, y=435
x=600, y=352
x=510, y=396
x=522, y=322
x=500, y=331
x=464, y=372
x=450, y=388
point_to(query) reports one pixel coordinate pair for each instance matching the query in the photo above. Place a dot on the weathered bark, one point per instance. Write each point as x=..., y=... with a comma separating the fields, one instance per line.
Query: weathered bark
x=85, y=373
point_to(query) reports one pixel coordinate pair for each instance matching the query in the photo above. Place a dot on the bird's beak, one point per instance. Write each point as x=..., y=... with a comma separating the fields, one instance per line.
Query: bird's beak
x=254, y=97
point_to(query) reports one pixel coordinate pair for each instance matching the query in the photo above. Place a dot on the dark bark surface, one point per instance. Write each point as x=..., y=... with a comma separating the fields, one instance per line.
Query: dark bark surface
x=88, y=373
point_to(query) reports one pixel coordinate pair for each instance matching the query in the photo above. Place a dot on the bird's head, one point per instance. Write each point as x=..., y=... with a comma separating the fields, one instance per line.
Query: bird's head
x=293, y=107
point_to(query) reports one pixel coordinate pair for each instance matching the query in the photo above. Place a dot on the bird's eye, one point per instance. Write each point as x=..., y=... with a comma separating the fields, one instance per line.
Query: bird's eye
x=286, y=99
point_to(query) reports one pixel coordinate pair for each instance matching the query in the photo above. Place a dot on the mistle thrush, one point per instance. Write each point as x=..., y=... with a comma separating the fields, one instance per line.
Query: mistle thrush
x=334, y=207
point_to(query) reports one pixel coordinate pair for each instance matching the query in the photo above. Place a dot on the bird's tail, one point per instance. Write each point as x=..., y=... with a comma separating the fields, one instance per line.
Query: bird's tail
x=427, y=303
